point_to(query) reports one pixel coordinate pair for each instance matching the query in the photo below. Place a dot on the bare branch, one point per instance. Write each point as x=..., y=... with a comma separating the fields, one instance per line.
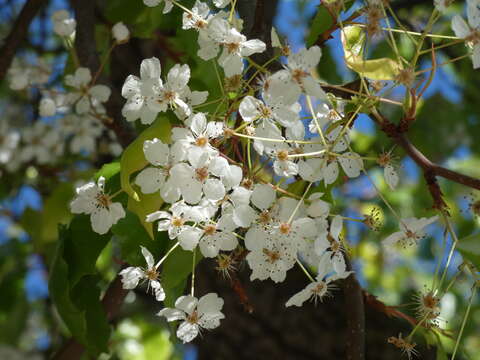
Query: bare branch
x=18, y=33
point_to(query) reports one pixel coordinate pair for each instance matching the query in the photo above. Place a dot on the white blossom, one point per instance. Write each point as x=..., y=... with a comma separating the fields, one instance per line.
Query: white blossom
x=120, y=32
x=9, y=140
x=63, y=24
x=92, y=199
x=141, y=93
x=197, y=314
x=131, y=276
x=86, y=96
x=412, y=230
x=471, y=31
x=297, y=78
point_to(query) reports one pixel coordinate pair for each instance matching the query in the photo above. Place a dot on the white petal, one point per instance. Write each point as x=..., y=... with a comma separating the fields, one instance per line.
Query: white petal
x=214, y=189
x=150, y=180
x=150, y=69
x=263, y=196
x=148, y=257
x=189, y=238
x=156, y=152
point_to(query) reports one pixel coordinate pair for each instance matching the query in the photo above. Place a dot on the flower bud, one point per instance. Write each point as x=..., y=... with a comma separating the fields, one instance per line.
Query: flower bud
x=63, y=24
x=120, y=33
x=47, y=107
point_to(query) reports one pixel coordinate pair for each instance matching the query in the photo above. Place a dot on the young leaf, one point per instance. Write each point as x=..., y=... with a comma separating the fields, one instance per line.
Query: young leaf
x=353, y=40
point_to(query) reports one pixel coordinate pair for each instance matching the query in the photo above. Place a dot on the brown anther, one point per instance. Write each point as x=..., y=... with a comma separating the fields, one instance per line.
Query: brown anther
x=228, y=133
x=202, y=174
x=298, y=75
x=282, y=155
x=176, y=221
x=193, y=317
x=232, y=47
x=265, y=112
x=103, y=200
x=406, y=77
x=247, y=183
x=285, y=228
x=264, y=217
x=151, y=274
x=272, y=256
x=209, y=229
x=201, y=141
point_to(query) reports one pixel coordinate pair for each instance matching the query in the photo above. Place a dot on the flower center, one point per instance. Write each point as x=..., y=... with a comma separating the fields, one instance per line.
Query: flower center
x=177, y=221
x=201, y=141
x=285, y=228
x=209, y=229
x=272, y=256
x=265, y=112
x=151, y=274
x=202, y=174
x=103, y=200
x=264, y=217
x=282, y=155
x=232, y=47
x=193, y=317
x=298, y=75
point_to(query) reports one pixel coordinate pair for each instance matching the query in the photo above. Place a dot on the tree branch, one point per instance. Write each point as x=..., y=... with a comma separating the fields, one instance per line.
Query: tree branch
x=430, y=170
x=355, y=313
x=18, y=33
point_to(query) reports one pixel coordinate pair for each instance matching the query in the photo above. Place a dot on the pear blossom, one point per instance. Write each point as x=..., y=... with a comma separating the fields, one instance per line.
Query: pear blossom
x=412, y=230
x=131, y=276
x=63, y=23
x=86, y=96
x=197, y=137
x=141, y=93
x=21, y=74
x=171, y=94
x=9, y=140
x=273, y=108
x=471, y=31
x=197, y=314
x=321, y=287
x=297, y=78
x=39, y=139
x=328, y=242
x=84, y=134
x=210, y=238
x=235, y=46
x=92, y=199
x=173, y=221
x=120, y=32
x=157, y=177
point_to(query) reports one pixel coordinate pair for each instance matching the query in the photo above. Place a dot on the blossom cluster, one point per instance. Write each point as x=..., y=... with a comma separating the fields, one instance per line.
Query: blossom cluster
x=217, y=203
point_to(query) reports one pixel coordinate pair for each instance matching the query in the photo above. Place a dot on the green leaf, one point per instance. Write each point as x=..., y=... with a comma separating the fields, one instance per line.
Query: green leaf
x=73, y=280
x=82, y=248
x=147, y=204
x=130, y=235
x=353, y=40
x=133, y=158
x=176, y=268
x=108, y=171
x=42, y=225
x=469, y=247
x=321, y=22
